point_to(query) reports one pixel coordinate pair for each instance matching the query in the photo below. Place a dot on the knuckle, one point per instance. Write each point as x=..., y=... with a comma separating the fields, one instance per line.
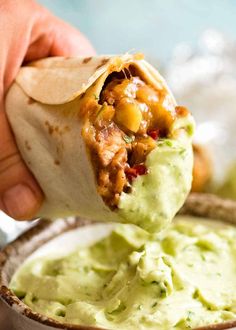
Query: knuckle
x=9, y=161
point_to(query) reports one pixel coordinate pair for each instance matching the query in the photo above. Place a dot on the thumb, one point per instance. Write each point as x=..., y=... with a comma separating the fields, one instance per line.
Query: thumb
x=20, y=195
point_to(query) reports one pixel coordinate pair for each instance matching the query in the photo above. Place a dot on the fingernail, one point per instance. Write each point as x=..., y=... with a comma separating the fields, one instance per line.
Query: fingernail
x=20, y=202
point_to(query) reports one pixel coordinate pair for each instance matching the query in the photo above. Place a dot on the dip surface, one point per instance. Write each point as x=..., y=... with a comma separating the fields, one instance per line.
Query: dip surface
x=180, y=279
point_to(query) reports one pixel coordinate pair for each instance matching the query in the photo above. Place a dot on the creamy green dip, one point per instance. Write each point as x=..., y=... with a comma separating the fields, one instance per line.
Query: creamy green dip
x=181, y=278
x=164, y=189
x=157, y=196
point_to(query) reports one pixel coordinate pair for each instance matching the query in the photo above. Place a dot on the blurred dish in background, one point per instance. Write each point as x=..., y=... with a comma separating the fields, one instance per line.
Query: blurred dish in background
x=202, y=169
x=204, y=79
x=228, y=187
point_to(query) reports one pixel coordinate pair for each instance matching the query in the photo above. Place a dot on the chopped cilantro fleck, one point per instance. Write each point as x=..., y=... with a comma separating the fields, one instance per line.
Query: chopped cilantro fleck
x=154, y=304
x=189, y=315
x=203, y=257
x=128, y=139
x=163, y=292
x=190, y=130
x=169, y=143
x=165, y=142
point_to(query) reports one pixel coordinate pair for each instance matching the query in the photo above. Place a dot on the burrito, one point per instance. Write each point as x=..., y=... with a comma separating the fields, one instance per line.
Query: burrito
x=104, y=138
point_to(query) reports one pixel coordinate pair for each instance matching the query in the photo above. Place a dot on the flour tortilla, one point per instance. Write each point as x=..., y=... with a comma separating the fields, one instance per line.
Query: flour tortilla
x=42, y=106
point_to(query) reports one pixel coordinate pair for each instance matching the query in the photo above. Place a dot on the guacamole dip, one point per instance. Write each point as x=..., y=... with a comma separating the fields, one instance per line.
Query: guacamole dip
x=157, y=197
x=180, y=279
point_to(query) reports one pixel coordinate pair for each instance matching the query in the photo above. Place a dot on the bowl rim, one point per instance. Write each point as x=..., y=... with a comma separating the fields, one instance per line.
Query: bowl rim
x=202, y=205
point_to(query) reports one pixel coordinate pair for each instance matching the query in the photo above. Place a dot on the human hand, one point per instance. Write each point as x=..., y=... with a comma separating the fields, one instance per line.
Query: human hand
x=27, y=32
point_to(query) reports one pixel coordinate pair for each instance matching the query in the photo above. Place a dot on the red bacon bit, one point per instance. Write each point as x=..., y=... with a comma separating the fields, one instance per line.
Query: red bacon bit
x=154, y=134
x=181, y=111
x=133, y=172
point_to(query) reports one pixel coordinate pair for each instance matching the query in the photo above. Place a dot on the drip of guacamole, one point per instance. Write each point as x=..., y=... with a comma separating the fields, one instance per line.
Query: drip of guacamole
x=164, y=189
x=181, y=278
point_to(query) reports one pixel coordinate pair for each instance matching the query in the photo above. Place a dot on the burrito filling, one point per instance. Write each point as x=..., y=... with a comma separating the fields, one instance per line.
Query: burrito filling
x=122, y=127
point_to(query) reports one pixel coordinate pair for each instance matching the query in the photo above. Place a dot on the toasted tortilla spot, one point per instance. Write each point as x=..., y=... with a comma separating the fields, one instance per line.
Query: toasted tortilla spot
x=50, y=127
x=56, y=129
x=56, y=162
x=86, y=60
x=58, y=150
x=27, y=145
x=103, y=62
x=66, y=129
